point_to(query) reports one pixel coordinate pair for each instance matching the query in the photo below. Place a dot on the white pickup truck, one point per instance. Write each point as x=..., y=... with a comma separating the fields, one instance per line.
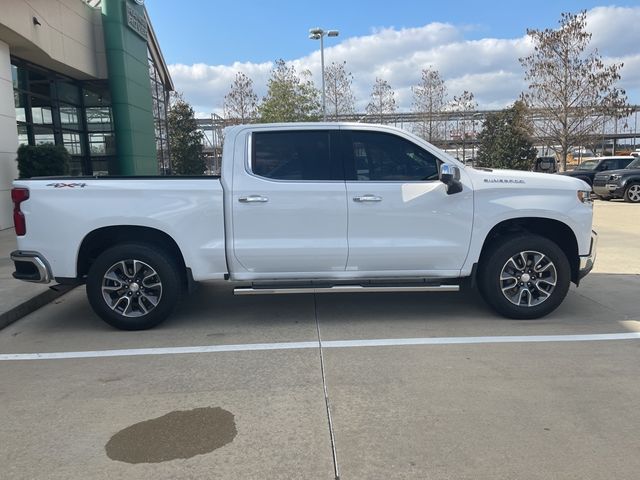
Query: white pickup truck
x=309, y=208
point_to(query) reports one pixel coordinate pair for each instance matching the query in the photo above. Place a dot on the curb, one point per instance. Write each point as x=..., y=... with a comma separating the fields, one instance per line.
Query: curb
x=33, y=304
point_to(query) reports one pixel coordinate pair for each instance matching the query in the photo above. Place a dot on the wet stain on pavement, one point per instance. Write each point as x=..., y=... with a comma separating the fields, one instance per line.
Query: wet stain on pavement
x=179, y=434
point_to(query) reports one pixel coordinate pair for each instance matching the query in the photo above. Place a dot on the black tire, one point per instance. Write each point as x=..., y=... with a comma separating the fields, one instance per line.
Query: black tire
x=153, y=266
x=497, y=263
x=632, y=193
x=606, y=199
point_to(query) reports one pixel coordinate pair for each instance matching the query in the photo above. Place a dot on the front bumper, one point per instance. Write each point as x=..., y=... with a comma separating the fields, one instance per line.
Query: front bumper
x=609, y=190
x=587, y=261
x=30, y=267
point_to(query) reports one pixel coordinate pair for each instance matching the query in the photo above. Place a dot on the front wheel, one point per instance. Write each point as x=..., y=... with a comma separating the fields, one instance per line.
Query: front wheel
x=632, y=193
x=524, y=276
x=133, y=286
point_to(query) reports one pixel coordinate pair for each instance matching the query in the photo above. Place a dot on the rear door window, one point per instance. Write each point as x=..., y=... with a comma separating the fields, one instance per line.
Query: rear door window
x=302, y=155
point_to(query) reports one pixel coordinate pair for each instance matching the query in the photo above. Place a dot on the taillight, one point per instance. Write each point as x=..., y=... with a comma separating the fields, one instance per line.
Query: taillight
x=19, y=195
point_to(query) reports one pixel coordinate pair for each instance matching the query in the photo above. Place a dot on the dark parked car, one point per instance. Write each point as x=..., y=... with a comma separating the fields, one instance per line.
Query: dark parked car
x=588, y=169
x=623, y=183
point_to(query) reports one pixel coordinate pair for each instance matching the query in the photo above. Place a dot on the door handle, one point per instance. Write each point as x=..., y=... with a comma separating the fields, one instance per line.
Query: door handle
x=253, y=199
x=367, y=198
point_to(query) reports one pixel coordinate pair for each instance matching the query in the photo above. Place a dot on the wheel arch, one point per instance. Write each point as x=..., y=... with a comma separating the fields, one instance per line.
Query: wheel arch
x=100, y=239
x=556, y=231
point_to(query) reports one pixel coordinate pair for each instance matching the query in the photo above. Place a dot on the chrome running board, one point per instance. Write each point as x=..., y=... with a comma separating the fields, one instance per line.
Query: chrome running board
x=343, y=289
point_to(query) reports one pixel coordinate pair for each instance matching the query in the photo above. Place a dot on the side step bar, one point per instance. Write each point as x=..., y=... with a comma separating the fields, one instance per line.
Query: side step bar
x=343, y=289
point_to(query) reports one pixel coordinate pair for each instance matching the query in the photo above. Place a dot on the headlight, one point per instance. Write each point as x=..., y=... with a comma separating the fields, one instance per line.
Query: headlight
x=585, y=196
x=615, y=177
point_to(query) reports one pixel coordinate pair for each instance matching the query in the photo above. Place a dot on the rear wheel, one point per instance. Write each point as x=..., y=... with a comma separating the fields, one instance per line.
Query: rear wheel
x=524, y=277
x=133, y=286
x=632, y=193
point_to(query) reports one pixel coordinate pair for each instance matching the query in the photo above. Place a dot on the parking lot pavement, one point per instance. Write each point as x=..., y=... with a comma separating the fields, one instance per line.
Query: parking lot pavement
x=59, y=415
x=618, y=226
x=559, y=407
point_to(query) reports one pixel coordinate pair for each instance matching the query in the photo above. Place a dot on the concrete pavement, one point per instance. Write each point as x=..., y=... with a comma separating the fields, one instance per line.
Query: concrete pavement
x=542, y=410
x=18, y=299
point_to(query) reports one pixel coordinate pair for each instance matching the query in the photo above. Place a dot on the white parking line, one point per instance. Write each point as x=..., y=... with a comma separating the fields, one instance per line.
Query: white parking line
x=382, y=342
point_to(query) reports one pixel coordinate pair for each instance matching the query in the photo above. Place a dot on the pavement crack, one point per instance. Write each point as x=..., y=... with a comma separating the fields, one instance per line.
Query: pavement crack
x=327, y=403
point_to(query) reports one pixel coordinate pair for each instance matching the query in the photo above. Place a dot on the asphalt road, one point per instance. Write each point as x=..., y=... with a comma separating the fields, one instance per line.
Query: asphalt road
x=418, y=385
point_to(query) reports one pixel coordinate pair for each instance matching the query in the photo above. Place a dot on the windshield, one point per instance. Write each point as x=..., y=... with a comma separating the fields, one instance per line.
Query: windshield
x=634, y=164
x=588, y=165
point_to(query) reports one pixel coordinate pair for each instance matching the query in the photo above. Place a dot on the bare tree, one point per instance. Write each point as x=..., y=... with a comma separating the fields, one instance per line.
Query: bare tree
x=572, y=86
x=241, y=103
x=466, y=106
x=340, y=99
x=382, y=100
x=429, y=99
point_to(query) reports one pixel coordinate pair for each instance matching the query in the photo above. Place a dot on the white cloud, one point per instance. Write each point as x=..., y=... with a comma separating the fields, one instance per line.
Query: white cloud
x=487, y=67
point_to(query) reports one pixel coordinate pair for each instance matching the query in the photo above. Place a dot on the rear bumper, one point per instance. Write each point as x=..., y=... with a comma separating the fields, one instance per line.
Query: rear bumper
x=587, y=261
x=30, y=267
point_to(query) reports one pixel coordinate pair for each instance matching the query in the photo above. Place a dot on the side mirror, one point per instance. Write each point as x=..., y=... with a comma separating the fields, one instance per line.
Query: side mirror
x=450, y=176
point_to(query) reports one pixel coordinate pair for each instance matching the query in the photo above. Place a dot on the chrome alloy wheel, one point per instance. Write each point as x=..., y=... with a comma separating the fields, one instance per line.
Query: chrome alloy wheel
x=634, y=193
x=131, y=288
x=528, y=279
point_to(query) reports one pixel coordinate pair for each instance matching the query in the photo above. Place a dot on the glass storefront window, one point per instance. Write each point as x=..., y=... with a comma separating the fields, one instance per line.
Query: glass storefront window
x=20, y=102
x=41, y=115
x=68, y=92
x=39, y=83
x=98, y=118
x=51, y=108
x=101, y=144
x=43, y=135
x=72, y=143
x=70, y=117
x=23, y=136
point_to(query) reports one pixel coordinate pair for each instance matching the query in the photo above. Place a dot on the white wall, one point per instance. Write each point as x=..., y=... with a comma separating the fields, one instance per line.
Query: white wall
x=8, y=138
x=68, y=40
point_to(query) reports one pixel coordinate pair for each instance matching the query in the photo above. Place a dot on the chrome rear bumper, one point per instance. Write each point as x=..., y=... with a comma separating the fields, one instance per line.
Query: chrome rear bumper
x=30, y=267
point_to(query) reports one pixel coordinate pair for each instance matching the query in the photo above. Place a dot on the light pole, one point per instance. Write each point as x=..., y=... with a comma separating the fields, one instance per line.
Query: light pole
x=318, y=34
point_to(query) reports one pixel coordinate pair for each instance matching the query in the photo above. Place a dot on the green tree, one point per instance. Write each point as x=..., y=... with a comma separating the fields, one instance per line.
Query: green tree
x=185, y=139
x=506, y=139
x=290, y=98
x=575, y=90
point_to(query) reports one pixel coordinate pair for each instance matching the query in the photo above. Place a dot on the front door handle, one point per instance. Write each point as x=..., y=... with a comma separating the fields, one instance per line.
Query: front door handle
x=253, y=199
x=367, y=198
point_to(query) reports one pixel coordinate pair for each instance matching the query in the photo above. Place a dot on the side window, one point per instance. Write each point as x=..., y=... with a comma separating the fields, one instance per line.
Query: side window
x=623, y=163
x=293, y=155
x=382, y=156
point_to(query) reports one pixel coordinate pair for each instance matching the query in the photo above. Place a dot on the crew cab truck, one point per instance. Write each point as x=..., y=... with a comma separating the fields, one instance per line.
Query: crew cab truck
x=309, y=208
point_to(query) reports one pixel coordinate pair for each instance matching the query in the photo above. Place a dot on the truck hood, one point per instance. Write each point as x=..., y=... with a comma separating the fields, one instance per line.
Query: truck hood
x=521, y=179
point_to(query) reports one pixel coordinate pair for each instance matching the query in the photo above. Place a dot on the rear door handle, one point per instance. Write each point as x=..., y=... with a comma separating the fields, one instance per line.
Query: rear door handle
x=367, y=198
x=253, y=199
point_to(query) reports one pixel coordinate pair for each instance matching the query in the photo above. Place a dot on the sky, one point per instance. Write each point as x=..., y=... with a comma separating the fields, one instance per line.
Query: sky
x=475, y=45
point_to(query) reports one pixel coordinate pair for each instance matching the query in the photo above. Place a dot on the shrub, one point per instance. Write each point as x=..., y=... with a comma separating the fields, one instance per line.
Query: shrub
x=42, y=160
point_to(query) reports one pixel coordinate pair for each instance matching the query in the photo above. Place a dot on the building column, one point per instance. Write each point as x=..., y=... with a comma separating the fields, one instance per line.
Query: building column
x=8, y=138
x=131, y=103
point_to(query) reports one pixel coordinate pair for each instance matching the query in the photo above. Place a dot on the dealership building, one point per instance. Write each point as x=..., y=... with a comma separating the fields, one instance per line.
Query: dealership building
x=85, y=74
